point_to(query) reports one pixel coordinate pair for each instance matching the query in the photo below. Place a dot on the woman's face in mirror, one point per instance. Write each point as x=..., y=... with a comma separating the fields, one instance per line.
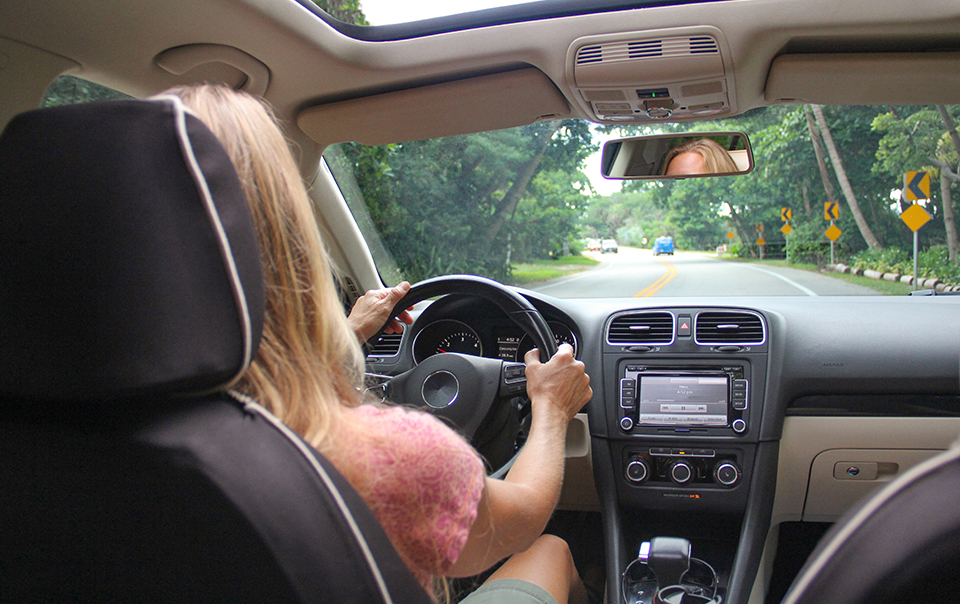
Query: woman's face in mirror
x=686, y=163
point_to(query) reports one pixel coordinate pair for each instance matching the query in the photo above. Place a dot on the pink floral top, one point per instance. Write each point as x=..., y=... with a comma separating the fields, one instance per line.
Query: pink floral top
x=421, y=479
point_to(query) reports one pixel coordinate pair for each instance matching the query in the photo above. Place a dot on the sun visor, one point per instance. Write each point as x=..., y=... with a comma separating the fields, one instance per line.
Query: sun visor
x=477, y=104
x=865, y=78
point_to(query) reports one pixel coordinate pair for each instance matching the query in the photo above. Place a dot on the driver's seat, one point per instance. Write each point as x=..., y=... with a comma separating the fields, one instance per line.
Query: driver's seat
x=130, y=297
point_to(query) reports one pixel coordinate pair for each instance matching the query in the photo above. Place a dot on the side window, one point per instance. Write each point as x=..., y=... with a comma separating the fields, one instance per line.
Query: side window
x=68, y=90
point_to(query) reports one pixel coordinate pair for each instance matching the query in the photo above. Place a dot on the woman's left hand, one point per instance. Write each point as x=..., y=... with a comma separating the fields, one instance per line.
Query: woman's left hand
x=371, y=310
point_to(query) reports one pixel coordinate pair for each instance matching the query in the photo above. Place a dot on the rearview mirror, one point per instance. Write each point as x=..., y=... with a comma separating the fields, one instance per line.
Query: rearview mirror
x=668, y=156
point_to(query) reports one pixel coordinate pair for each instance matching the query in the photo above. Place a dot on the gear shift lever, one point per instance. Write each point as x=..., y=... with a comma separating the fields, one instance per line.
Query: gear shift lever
x=667, y=557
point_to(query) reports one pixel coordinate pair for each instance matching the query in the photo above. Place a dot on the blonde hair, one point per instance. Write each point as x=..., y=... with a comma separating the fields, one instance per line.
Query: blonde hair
x=716, y=160
x=309, y=363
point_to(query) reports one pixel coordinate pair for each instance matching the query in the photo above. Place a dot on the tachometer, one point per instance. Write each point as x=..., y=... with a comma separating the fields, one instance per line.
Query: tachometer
x=446, y=335
x=463, y=341
x=561, y=333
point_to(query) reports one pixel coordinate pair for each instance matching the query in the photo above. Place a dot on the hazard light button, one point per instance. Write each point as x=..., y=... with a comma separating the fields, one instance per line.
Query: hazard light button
x=683, y=326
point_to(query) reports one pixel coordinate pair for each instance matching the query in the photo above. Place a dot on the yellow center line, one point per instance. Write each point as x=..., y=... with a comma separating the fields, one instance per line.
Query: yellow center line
x=656, y=285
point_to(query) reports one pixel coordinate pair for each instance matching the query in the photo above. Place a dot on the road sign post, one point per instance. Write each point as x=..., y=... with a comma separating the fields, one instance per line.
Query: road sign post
x=831, y=212
x=786, y=214
x=915, y=217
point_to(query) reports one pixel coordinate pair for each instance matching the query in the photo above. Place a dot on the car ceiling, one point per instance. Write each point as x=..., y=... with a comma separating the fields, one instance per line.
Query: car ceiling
x=340, y=88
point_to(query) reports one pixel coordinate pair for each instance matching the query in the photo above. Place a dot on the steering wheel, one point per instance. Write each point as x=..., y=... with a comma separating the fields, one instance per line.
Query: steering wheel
x=470, y=391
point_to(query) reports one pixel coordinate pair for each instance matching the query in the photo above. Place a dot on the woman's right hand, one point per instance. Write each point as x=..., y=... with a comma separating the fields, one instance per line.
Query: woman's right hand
x=514, y=511
x=561, y=384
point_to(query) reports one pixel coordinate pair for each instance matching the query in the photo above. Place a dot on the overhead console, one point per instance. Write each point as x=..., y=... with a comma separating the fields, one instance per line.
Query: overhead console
x=652, y=76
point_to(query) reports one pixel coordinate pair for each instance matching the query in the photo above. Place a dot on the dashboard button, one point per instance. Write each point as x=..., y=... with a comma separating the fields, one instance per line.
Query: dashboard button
x=726, y=474
x=637, y=471
x=681, y=472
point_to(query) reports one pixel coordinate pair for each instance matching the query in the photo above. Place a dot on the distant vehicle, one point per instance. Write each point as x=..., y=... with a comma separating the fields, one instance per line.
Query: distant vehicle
x=608, y=245
x=663, y=245
x=593, y=245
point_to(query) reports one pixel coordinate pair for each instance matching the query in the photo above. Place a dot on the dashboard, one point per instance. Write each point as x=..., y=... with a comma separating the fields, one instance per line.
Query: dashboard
x=720, y=419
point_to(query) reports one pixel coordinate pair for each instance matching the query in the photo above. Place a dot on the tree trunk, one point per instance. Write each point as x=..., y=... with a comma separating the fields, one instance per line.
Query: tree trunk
x=949, y=221
x=742, y=231
x=821, y=163
x=513, y=196
x=865, y=231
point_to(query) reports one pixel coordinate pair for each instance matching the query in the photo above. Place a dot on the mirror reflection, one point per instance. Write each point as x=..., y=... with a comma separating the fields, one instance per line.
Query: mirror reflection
x=686, y=155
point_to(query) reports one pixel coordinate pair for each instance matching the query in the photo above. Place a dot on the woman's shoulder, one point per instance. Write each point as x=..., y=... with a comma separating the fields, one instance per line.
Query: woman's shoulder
x=409, y=429
x=422, y=480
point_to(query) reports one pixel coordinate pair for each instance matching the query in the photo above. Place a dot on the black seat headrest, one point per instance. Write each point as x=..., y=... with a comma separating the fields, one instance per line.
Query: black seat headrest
x=129, y=264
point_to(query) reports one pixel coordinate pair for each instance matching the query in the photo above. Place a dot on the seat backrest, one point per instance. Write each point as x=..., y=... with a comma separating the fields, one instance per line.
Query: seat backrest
x=899, y=546
x=131, y=294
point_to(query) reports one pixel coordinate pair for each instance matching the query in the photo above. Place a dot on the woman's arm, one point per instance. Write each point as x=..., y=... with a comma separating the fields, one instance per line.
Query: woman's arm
x=514, y=511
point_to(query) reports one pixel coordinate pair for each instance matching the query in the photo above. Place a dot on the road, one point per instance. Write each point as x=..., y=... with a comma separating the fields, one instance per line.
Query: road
x=638, y=273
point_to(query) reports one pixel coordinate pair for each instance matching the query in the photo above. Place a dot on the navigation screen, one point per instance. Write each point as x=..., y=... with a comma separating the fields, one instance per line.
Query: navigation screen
x=687, y=400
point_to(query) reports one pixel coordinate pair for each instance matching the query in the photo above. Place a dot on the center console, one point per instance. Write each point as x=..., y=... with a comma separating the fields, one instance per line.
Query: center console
x=681, y=443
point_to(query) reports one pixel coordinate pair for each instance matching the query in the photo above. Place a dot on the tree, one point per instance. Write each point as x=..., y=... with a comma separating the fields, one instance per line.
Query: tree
x=838, y=169
x=919, y=138
x=348, y=11
x=946, y=176
x=462, y=203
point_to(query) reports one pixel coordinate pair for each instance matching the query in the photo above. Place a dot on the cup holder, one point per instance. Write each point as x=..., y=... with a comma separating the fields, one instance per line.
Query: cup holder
x=698, y=585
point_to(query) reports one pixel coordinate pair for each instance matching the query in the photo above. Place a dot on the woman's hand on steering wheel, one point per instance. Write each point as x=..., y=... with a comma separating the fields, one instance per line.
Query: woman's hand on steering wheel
x=372, y=309
x=559, y=385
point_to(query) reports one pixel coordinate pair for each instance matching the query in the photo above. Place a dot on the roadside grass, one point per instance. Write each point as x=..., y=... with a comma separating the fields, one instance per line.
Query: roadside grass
x=546, y=269
x=885, y=287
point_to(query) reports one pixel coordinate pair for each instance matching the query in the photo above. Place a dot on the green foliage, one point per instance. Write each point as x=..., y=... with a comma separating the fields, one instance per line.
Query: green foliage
x=348, y=11
x=475, y=203
x=632, y=218
x=886, y=260
x=933, y=263
x=807, y=244
x=67, y=90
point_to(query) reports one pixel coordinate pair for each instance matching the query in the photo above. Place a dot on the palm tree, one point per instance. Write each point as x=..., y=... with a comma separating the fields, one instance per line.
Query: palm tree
x=865, y=231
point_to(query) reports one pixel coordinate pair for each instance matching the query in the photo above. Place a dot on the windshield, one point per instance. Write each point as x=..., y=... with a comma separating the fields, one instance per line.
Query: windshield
x=527, y=206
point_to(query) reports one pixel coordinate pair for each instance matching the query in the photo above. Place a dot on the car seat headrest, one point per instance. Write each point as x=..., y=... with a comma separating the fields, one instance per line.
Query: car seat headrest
x=129, y=265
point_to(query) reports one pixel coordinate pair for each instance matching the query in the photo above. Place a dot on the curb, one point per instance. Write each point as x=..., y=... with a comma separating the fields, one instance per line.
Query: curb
x=934, y=284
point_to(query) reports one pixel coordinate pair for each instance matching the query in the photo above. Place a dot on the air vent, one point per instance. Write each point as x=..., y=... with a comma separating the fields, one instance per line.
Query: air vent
x=729, y=328
x=666, y=48
x=641, y=328
x=387, y=345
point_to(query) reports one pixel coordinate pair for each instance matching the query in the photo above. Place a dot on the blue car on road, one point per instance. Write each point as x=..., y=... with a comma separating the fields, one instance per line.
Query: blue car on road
x=663, y=245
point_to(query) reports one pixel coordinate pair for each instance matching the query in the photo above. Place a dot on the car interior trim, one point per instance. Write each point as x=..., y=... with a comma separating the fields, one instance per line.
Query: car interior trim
x=500, y=100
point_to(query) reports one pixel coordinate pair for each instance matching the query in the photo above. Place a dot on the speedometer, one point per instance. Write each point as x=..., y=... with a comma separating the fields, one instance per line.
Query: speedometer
x=561, y=333
x=446, y=335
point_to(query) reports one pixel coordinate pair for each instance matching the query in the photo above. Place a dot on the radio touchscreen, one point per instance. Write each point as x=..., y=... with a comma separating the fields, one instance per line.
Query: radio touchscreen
x=654, y=397
x=682, y=400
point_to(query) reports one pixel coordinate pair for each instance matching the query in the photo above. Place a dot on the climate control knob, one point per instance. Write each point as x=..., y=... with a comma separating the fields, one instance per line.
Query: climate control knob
x=726, y=474
x=637, y=471
x=681, y=472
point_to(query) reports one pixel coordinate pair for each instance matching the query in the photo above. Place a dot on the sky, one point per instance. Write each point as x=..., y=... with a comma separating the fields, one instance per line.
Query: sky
x=385, y=12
